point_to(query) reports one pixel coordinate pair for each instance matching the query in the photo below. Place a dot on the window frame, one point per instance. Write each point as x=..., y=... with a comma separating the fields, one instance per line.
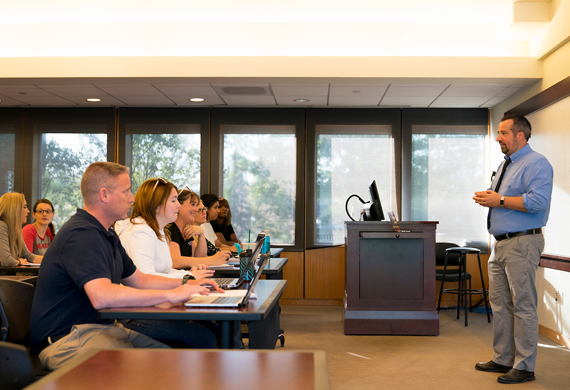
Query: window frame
x=15, y=117
x=60, y=116
x=262, y=117
x=344, y=116
x=168, y=116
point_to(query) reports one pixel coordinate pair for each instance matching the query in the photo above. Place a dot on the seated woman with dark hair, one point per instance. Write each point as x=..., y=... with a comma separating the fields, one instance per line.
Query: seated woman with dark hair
x=188, y=245
x=199, y=220
x=212, y=204
x=39, y=235
x=223, y=224
x=13, y=214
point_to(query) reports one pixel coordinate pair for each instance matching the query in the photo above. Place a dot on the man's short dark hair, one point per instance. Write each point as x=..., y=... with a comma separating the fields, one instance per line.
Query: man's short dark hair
x=520, y=123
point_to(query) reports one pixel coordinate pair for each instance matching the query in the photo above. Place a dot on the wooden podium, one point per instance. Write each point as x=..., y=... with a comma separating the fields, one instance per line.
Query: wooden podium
x=390, y=279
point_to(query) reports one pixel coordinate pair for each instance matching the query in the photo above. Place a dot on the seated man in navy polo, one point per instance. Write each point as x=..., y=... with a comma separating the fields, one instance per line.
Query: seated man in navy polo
x=87, y=269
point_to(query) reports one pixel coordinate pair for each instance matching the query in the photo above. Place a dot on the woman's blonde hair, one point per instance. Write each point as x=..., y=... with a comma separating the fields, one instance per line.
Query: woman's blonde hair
x=150, y=195
x=11, y=206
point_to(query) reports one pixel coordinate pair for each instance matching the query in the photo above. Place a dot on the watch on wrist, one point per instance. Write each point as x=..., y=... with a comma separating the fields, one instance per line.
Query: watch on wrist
x=187, y=277
x=502, y=202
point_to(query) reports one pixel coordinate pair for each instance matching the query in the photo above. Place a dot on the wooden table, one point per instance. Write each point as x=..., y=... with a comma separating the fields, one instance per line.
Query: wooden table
x=273, y=269
x=173, y=369
x=261, y=313
x=13, y=270
x=32, y=279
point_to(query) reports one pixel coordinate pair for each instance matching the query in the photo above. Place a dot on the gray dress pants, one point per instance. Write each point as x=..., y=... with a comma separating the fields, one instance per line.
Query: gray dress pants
x=512, y=279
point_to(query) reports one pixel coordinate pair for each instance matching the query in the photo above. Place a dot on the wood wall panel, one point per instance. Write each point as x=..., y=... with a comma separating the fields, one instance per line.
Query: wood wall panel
x=294, y=274
x=324, y=273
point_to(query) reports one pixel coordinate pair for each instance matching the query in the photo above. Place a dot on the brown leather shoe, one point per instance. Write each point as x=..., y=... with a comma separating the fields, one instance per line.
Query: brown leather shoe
x=491, y=366
x=516, y=376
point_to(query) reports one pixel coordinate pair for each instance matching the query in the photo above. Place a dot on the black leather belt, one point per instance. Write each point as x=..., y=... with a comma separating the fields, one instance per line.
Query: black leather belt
x=45, y=342
x=517, y=234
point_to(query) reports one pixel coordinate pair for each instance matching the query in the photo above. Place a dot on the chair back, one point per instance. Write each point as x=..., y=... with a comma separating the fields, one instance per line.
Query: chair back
x=15, y=310
x=440, y=250
x=16, y=370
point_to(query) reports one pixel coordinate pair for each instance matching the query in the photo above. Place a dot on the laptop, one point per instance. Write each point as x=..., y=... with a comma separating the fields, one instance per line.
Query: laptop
x=218, y=301
x=232, y=283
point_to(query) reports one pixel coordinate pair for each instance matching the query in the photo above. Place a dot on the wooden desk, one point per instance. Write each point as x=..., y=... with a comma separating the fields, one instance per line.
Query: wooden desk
x=273, y=269
x=276, y=252
x=13, y=270
x=21, y=278
x=173, y=369
x=262, y=314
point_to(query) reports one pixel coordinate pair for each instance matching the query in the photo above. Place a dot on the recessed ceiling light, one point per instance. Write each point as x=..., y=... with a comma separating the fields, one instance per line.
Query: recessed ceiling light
x=197, y=99
x=301, y=100
x=93, y=100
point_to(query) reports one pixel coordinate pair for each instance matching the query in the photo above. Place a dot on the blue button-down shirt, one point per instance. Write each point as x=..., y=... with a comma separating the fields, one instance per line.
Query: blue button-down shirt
x=529, y=175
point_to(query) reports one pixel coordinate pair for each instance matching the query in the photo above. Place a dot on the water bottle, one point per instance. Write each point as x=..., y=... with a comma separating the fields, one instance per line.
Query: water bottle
x=267, y=242
x=243, y=261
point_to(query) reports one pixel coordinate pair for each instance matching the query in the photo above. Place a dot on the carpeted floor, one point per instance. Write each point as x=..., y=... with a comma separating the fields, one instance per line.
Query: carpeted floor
x=413, y=362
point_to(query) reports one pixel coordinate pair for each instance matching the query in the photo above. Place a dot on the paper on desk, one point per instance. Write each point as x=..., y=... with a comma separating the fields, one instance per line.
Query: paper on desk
x=220, y=266
x=30, y=265
x=230, y=293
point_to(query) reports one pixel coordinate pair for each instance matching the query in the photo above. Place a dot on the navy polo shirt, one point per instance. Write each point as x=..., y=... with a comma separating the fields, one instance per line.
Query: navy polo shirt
x=82, y=251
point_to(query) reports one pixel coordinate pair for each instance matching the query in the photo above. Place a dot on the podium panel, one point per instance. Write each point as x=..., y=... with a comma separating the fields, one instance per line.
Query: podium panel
x=390, y=279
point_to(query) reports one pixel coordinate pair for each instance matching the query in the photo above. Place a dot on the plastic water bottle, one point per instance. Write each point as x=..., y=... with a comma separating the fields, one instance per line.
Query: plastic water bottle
x=267, y=242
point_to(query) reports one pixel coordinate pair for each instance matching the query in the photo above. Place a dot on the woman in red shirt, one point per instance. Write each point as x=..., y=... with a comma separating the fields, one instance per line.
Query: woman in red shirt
x=39, y=235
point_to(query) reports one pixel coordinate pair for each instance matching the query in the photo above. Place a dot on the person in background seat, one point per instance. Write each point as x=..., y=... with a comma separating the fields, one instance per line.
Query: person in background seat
x=39, y=235
x=13, y=214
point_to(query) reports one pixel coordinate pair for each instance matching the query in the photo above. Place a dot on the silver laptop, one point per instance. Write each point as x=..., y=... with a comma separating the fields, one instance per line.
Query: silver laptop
x=233, y=301
x=232, y=283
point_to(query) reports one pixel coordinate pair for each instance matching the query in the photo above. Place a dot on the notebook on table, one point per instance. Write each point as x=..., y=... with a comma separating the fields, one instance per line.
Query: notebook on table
x=219, y=301
x=231, y=283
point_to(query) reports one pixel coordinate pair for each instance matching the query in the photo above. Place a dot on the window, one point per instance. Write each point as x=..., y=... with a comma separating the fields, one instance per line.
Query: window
x=60, y=145
x=448, y=166
x=259, y=180
x=165, y=142
x=171, y=154
x=64, y=158
x=349, y=158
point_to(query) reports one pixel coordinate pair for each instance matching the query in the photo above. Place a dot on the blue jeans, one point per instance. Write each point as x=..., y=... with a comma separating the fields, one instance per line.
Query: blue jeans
x=181, y=334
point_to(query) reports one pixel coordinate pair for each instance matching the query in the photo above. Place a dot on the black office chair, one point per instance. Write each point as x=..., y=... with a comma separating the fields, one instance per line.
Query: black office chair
x=15, y=311
x=16, y=370
x=451, y=275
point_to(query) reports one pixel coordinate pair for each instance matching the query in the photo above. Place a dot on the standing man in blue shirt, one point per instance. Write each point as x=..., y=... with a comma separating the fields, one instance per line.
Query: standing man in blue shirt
x=519, y=204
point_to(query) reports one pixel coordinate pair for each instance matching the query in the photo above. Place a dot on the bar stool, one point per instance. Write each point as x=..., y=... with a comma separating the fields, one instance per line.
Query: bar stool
x=462, y=290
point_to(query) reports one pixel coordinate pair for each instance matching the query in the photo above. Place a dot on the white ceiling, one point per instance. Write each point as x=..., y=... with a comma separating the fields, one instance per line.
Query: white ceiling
x=346, y=93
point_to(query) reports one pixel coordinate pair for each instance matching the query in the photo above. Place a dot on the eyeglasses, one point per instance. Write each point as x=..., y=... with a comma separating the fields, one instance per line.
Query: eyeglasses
x=159, y=180
x=46, y=212
x=203, y=210
x=184, y=189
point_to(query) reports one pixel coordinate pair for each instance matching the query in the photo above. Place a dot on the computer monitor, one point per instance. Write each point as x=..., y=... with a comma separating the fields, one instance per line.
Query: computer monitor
x=374, y=212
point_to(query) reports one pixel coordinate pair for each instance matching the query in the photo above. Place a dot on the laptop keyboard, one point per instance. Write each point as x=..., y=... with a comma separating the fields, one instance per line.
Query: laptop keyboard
x=224, y=300
x=224, y=280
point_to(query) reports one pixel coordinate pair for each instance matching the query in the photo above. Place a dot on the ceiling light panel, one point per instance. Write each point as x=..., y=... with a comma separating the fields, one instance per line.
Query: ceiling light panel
x=184, y=100
x=300, y=91
x=358, y=91
x=290, y=101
